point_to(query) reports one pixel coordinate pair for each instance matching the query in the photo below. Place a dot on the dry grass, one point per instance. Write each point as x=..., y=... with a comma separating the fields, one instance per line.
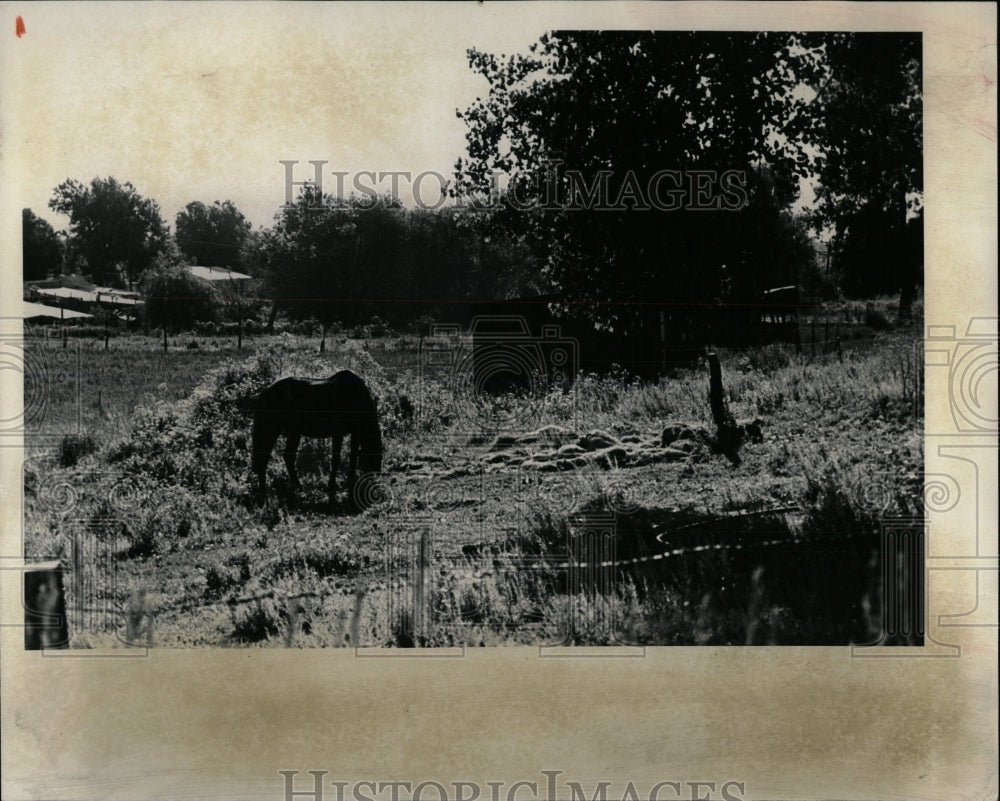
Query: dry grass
x=842, y=441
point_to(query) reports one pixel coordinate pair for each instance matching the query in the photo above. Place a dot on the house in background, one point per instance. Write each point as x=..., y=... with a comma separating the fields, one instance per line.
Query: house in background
x=74, y=297
x=217, y=274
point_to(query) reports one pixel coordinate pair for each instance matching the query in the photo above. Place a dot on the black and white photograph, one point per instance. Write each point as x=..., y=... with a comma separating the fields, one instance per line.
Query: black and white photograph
x=498, y=332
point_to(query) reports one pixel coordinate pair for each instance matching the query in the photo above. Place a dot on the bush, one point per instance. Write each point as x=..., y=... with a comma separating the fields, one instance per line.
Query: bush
x=74, y=447
x=176, y=299
x=876, y=319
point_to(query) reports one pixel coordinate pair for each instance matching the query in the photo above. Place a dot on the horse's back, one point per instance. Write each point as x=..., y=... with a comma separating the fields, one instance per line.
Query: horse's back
x=316, y=406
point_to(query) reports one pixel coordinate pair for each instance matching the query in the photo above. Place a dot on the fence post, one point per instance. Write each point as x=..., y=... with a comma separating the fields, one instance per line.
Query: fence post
x=420, y=589
x=716, y=396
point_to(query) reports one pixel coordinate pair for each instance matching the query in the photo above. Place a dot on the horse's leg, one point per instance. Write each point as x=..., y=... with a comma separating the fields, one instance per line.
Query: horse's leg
x=292, y=448
x=263, y=443
x=352, y=465
x=338, y=444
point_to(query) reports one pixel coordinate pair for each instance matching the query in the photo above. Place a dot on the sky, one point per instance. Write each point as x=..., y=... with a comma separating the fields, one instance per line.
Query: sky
x=203, y=101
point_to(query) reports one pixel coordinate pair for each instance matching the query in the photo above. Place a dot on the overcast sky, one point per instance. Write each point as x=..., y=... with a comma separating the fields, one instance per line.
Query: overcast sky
x=197, y=101
x=201, y=102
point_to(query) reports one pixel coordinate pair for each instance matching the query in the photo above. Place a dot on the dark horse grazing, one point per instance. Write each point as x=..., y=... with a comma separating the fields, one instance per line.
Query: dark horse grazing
x=337, y=407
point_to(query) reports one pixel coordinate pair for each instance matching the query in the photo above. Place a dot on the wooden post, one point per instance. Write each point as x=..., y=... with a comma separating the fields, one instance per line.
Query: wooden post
x=45, y=623
x=716, y=395
x=419, y=590
x=164, y=337
x=239, y=317
x=728, y=434
x=292, y=612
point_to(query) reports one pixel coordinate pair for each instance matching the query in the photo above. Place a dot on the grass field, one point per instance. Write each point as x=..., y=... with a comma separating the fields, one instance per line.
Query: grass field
x=605, y=514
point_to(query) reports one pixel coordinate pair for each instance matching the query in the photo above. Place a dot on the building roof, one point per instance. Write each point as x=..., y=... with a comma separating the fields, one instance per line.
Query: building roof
x=69, y=292
x=32, y=310
x=217, y=273
x=118, y=293
x=116, y=299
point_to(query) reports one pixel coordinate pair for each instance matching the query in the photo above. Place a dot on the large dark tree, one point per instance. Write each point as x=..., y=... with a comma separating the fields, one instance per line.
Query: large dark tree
x=867, y=122
x=601, y=114
x=212, y=235
x=42, y=248
x=310, y=259
x=176, y=299
x=609, y=112
x=347, y=260
x=114, y=232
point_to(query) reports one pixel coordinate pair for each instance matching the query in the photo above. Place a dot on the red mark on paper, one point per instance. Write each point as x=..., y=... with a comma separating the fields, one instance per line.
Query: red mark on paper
x=19, y=28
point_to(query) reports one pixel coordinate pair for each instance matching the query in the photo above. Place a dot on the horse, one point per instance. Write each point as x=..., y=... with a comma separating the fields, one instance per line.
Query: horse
x=338, y=407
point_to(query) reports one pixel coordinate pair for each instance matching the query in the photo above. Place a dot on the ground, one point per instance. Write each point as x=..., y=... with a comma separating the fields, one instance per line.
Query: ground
x=603, y=514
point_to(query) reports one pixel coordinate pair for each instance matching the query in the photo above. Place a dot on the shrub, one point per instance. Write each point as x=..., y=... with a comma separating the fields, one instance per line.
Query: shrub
x=176, y=299
x=876, y=319
x=74, y=447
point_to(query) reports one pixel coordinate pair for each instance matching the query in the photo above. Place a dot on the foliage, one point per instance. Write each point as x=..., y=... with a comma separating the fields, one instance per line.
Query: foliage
x=114, y=232
x=212, y=235
x=346, y=260
x=42, y=248
x=632, y=105
x=868, y=124
x=74, y=447
x=175, y=298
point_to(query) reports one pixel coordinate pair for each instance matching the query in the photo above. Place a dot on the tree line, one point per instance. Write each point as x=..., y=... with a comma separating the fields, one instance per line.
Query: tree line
x=609, y=113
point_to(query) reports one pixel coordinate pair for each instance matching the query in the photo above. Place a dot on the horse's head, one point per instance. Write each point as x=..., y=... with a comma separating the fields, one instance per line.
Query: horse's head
x=370, y=458
x=370, y=452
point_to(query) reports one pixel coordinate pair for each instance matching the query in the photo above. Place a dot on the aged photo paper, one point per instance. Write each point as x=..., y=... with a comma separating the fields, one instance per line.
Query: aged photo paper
x=195, y=604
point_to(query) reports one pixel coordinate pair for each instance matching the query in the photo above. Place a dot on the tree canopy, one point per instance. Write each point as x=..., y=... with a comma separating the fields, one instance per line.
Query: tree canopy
x=867, y=123
x=114, y=232
x=639, y=164
x=212, y=235
x=347, y=260
x=175, y=299
x=42, y=248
